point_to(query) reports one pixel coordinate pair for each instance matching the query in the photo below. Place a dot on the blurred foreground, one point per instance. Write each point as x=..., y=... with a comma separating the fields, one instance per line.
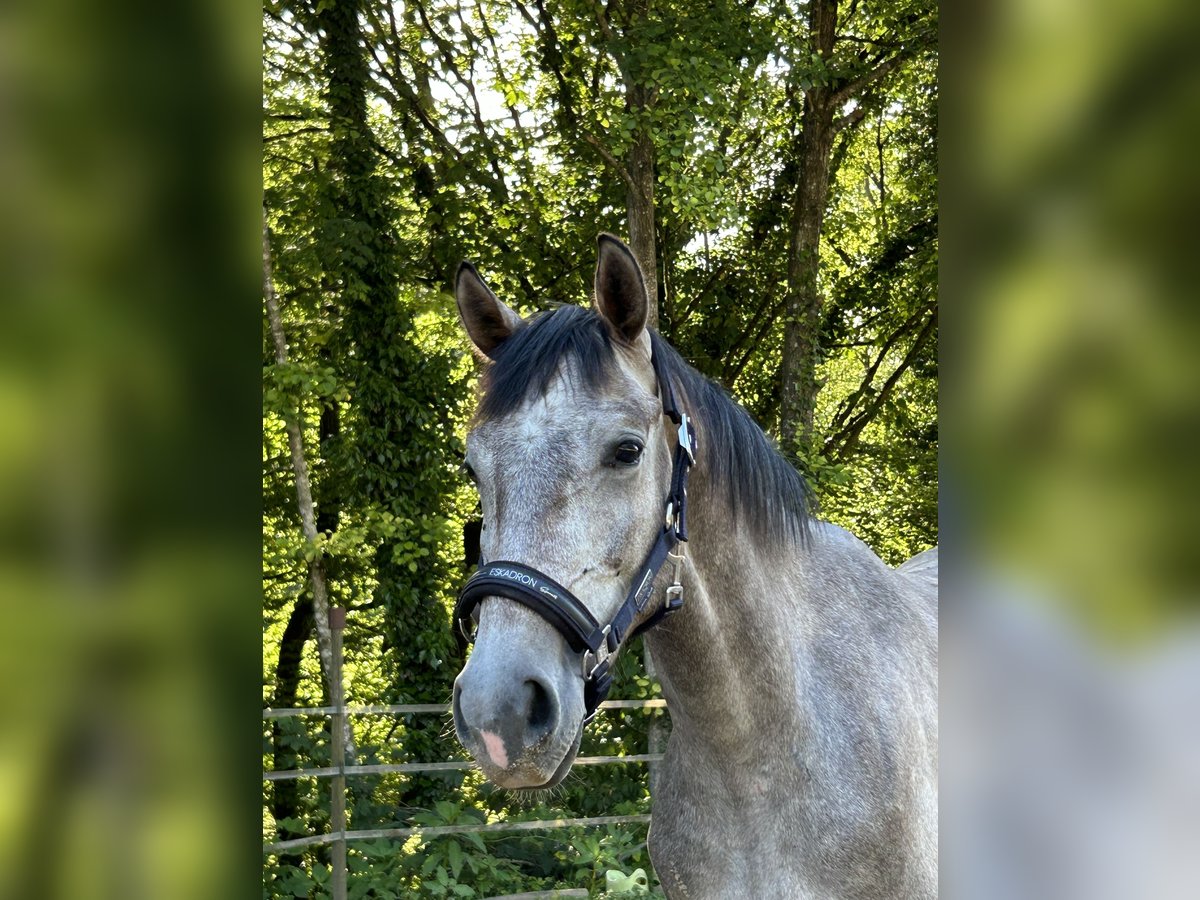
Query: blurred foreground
x=130, y=416
x=1071, y=653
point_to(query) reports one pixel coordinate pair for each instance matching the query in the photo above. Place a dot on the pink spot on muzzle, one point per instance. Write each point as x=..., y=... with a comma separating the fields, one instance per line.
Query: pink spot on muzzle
x=495, y=748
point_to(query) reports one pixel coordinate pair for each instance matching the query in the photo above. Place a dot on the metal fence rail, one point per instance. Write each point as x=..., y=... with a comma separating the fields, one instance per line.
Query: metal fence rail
x=401, y=708
x=439, y=830
x=339, y=835
x=454, y=765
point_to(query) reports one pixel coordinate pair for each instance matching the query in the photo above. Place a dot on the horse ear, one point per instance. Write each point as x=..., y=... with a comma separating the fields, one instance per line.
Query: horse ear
x=620, y=291
x=489, y=323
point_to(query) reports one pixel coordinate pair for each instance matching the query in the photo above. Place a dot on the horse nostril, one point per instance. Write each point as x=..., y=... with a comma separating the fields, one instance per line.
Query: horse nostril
x=460, y=724
x=540, y=712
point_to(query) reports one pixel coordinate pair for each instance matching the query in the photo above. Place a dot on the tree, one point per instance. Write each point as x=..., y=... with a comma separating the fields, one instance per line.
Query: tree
x=388, y=454
x=647, y=88
x=832, y=70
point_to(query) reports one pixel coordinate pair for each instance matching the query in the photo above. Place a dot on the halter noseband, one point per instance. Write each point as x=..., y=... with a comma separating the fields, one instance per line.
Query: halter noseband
x=562, y=609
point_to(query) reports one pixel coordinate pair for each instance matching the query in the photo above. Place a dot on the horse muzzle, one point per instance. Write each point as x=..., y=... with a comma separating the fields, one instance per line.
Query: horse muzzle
x=515, y=726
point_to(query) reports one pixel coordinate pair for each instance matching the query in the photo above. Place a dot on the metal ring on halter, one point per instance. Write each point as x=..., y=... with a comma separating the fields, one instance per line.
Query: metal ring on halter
x=468, y=636
x=685, y=437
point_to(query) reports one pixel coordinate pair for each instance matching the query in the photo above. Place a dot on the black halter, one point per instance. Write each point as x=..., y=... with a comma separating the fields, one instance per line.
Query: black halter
x=562, y=609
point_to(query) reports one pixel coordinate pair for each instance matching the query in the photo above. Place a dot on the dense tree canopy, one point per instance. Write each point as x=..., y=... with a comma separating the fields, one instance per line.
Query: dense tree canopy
x=774, y=166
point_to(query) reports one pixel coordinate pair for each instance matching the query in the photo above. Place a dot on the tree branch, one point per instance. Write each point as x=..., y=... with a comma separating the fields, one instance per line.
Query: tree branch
x=764, y=319
x=841, y=254
x=850, y=119
x=490, y=36
x=846, y=407
x=853, y=87
x=552, y=57
x=612, y=161
x=698, y=296
x=284, y=135
x=839, y=445
x=874, y=42
x=520, y=7
x=446, y=49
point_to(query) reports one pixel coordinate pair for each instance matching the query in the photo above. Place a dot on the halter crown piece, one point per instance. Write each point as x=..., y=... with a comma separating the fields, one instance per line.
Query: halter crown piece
x=562, y=609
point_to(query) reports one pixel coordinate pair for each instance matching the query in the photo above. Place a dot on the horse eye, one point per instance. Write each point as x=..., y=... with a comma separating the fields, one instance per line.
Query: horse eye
x=469, y=472
x=628, y=453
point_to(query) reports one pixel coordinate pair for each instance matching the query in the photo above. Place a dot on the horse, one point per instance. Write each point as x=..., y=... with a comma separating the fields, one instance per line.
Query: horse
x=799, y=669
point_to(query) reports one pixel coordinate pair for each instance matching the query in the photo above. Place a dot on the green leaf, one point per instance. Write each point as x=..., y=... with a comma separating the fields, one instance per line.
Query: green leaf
x=476, y=840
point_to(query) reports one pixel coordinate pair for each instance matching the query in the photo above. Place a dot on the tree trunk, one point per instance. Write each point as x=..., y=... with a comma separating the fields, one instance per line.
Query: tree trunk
x=802, y=308
x=308, y=521
x=285, y=794
x=639, y=200
x=396, y=460
x=639, y=160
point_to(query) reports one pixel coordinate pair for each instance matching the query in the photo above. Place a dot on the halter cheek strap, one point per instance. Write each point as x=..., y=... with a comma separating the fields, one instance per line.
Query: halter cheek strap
x=562, y=609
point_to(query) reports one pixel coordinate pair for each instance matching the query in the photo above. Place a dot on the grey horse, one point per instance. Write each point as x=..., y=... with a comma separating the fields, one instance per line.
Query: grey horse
x=801, y=672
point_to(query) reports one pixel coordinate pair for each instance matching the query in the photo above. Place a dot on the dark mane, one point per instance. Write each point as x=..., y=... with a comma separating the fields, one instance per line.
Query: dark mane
x=526, y=362
x=761, y=489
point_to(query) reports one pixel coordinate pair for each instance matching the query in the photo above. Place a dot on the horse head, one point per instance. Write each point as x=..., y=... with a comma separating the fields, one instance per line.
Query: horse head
x=572, y=458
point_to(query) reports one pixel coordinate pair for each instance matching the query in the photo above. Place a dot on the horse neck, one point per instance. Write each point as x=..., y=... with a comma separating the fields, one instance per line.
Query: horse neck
x=728, y=656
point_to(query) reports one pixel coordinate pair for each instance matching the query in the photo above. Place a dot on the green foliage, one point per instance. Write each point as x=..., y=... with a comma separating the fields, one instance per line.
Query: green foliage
x=475, y=864
x=594, y=856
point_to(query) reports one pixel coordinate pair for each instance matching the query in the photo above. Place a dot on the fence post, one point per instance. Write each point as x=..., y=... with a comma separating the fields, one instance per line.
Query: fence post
x=337, y=810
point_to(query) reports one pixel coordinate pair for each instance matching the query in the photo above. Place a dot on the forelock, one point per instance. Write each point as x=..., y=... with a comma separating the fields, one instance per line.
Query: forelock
x=570, y=339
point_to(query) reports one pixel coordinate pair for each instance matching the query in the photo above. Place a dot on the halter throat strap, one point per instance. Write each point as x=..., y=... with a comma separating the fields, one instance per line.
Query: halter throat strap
x=564, y=611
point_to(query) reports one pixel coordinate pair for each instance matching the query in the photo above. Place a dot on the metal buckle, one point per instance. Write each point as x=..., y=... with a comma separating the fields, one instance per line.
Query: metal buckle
x=673, y=598
x=677, y=560
x=599, y=659
x=671, y=520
